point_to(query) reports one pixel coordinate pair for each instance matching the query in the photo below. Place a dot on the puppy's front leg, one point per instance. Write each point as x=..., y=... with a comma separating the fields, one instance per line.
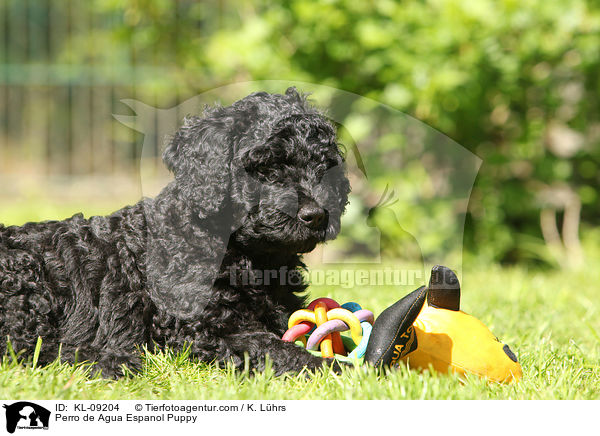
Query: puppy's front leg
x=285, y=356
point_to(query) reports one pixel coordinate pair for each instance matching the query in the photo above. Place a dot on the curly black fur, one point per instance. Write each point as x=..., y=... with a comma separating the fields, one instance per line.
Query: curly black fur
x=256, y=184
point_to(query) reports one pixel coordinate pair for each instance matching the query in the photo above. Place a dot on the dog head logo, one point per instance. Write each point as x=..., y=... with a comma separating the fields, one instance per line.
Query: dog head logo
x=241, y=171
x=26, y=415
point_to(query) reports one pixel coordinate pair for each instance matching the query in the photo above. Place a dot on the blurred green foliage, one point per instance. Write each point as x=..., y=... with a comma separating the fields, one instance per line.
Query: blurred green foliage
x=515, y=82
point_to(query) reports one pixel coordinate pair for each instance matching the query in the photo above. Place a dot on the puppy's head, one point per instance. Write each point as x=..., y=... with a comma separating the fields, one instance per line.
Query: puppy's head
x=270, y=165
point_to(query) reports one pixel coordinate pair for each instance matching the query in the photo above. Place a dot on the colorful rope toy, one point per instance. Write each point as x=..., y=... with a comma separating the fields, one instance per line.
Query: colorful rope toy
x=323, y=320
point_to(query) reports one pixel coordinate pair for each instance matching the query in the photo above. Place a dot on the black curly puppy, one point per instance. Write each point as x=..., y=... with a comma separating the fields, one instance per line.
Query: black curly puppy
x=213, y=261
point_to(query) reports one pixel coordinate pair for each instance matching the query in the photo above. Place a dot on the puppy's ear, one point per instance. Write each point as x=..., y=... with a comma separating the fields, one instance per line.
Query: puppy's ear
x=184, y=260
x=199, y=156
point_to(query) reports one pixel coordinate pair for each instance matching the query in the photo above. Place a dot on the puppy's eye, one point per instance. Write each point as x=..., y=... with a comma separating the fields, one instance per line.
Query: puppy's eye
x=267, y=172
x=334, y=162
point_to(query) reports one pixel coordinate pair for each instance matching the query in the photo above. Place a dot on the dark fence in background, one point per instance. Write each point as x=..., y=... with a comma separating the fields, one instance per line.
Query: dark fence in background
x=56, y=103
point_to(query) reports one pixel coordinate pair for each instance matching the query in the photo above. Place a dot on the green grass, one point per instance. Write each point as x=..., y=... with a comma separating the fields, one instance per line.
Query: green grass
x=34, y=208
x=551, y=320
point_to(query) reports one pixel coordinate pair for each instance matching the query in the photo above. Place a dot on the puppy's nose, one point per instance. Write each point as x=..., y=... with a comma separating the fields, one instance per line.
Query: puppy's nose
x=312, y=216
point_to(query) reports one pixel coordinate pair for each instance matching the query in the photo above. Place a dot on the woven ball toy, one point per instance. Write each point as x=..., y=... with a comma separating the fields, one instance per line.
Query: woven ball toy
x=323, y=321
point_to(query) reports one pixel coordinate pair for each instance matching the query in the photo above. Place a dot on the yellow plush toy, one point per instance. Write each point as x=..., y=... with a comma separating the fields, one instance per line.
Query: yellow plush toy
x=449, y=339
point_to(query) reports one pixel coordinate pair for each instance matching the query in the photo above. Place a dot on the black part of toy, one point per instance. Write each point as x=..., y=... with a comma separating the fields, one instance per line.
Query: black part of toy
x=444, y=289
x=393, y=335
x=509, y=353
